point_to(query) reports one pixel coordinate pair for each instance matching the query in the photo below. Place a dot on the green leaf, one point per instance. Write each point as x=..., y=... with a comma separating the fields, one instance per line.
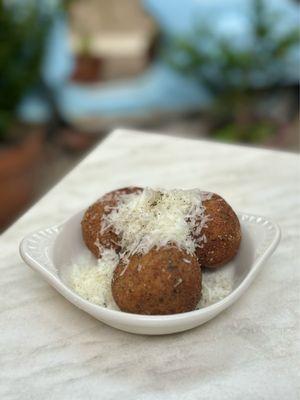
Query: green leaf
x=23, y=36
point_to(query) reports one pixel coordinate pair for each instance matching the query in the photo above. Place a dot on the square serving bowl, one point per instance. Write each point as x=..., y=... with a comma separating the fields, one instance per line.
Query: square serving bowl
x=52, y=252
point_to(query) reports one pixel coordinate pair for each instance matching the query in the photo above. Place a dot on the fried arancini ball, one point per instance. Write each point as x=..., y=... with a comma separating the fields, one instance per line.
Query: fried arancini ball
x=92, y=219
x=222, y=234
x=163, y=281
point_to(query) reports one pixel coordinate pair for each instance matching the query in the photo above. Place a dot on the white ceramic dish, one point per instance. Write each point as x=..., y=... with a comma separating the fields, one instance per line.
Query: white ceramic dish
x=52, y=251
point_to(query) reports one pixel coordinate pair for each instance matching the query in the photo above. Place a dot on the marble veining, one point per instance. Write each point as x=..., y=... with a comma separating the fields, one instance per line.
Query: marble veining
x=49, y=349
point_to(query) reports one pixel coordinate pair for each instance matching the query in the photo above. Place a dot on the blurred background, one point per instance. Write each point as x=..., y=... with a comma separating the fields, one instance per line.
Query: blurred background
x=71, y=71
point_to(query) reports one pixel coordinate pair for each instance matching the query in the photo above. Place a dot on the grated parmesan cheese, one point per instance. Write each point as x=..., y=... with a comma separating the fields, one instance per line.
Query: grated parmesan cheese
x=144, y=220
x=216, y=285
x=155, y=218
x=93, y=282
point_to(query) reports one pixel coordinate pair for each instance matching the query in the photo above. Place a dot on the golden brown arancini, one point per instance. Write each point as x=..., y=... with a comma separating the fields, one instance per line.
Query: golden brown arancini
x=92, y=219
x=222, y=234
x=163, y=281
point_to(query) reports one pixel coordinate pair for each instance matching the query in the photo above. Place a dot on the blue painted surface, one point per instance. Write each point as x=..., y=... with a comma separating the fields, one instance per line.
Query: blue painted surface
x=159, y=88
x=57, y=66
x=228, y=16
x=58, y=62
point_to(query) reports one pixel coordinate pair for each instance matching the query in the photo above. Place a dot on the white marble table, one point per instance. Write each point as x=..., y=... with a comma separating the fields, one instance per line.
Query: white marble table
x=49, y=349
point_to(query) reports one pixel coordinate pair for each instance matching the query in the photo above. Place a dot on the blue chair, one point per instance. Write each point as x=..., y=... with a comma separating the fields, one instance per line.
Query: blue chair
x=160, y=89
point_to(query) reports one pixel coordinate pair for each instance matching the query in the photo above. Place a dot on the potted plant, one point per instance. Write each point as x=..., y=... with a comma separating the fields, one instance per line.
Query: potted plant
x=87, y=66
x=22, y=36
x=239, y=77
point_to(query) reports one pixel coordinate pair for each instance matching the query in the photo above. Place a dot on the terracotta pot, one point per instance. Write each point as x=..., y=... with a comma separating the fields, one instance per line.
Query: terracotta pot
x=87, y=69
x=18, y=170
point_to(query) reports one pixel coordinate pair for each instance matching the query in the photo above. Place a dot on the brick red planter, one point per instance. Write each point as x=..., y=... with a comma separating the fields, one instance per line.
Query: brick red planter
x=19, y=165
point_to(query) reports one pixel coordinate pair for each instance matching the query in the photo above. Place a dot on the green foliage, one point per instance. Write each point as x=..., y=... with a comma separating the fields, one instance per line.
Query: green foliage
x=228, y=70
x=222, y=66
x=255, y=132
x=23, y=35
x=85, y=45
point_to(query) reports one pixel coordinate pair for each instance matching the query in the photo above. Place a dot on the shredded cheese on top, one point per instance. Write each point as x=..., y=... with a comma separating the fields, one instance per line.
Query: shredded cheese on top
x=144, y=220
x=155, y=218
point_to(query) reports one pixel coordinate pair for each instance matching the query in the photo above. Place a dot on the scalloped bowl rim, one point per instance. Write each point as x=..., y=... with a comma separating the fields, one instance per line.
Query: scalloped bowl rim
x=147, y=320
